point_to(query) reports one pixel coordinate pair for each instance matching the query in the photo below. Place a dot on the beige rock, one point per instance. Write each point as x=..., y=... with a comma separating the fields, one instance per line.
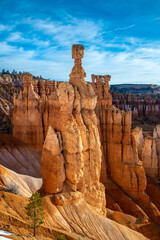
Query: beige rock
x=52, y=163
x=27, y=106
x=70, y=111
x=120, y=145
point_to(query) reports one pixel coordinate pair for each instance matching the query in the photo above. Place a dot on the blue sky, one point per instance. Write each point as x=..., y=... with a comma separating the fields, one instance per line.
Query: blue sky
x=121, y=38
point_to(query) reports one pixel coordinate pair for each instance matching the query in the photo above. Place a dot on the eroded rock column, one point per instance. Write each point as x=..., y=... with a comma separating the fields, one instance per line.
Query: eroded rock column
x=70, y=111
x=27, y=115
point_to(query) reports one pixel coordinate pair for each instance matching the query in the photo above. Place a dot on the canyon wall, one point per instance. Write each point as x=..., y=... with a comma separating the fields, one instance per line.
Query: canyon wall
x=119, y=144
x=63, y=115
x=72, y=128
x=45, y=103
x=84, y=139
x=143, y=107
x=132, y=146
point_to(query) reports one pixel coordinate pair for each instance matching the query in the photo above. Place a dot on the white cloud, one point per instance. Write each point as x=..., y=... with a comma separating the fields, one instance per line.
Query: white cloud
x=18, y=37
x=137, y=64
x=15, y=37
x=133, y=60
x=73, y=31
x=134, y=65
x=5, y=27
x=12, y=51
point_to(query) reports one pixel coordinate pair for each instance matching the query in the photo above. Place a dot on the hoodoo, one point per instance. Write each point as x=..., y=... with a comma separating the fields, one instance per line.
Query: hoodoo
x=70, y=112
x=88, y=156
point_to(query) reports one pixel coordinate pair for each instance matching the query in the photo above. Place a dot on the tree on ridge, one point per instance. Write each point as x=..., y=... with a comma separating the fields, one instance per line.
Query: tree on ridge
x=35, y=211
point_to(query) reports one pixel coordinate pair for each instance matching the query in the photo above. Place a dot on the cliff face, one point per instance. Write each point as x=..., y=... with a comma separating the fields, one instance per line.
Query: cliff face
x=145, y=107
x=29, y=107
x=63, y=123
x=72, y=128
x=64, y=116
x=8, y=87
x=84, y=141
x=149, y=152
x=119, y=144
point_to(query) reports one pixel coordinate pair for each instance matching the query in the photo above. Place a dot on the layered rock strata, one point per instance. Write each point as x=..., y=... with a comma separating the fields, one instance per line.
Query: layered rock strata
x=149, y=151
x=123, y=151
x=27, y=115
x=119, y=144
x=143, y=106
x=30, y=106
x=77, y=134
x=73, y=141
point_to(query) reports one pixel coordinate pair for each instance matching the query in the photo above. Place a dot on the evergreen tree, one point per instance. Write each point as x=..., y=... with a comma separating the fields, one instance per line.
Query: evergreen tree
x=7, y=72
x=14, y=72
x=61, y=237
x=3, y=71
x=35, y=211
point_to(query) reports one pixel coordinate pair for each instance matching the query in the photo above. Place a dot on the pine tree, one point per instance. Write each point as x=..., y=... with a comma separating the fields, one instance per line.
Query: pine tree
x=14, y=72
x=3, y=71
x=7, y=72
x=35, y=211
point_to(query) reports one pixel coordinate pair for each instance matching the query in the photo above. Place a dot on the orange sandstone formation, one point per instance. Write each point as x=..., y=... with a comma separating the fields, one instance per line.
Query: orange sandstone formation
x=123, y=151
x=72, y=128
x=119, y=144
x=143, y=106
x=149, y=151
x=82, y=136
x=27, y=115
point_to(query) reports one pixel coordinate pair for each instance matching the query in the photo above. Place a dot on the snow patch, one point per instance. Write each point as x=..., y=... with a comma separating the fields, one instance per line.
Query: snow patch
x=4, y=233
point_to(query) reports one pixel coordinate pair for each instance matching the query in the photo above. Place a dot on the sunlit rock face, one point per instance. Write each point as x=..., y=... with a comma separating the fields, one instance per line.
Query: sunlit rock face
x=27, y=115
x=127, y=157
x=85, y=141
x=72, y=148
x=119, y=144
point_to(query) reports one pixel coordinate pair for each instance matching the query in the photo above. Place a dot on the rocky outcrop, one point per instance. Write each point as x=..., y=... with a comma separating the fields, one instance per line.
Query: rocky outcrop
x=76, y=221
x=52, y=163
x=85, y=140
x=29, y=107
x=149, y=152
x=145, y=108
x=73, y=141
x=7, y=89
x=19, y=167
x=123, y=150
x=119, y=144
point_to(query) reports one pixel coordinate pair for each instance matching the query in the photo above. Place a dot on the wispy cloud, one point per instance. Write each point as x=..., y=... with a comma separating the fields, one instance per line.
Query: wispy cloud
x=134, y=64
x=74, y=30
x=18, y=37
x=8, y=51
x=15, y=37
x=43, y=47
x=120, y=28
x=5, y=27
x=124, y=28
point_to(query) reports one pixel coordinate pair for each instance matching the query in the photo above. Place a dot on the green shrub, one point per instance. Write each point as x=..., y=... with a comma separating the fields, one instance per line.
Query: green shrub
x=61, y=237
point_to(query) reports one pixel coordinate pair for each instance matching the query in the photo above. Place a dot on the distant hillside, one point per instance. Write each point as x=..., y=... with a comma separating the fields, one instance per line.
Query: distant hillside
x=136, y=88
